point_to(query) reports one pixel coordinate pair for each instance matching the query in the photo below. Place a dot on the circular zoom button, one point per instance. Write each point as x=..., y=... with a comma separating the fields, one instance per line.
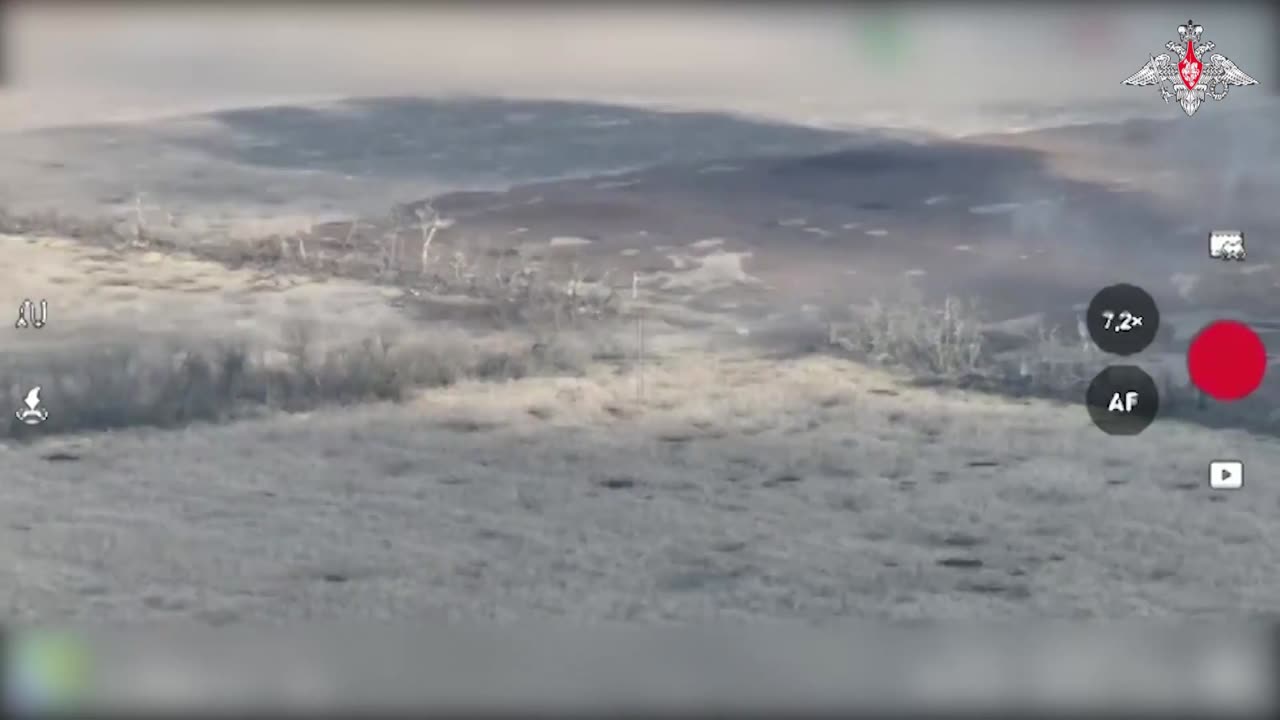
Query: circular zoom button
x=1122, y=319
x=1122, y=400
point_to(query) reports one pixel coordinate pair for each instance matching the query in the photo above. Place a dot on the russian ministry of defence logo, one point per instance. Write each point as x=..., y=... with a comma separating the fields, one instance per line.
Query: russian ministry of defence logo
x=1186, y=77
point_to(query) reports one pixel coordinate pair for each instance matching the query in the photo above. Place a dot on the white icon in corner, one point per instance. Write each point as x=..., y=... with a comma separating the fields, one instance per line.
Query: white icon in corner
x=1226, y=474
x=27, y=316
x=1226, y=245
x=33, y=414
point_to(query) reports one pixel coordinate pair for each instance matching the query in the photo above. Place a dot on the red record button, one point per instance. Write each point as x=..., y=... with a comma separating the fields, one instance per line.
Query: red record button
x=1227, y=360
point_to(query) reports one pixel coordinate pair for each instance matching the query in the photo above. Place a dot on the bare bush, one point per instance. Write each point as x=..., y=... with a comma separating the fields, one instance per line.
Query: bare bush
x=907, y=332
x=951, y=344
x=519, y=290
x=172, y=383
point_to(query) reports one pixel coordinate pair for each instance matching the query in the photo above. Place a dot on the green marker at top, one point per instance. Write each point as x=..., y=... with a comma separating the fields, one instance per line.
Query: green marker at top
x=882, y=37
x=46, y=672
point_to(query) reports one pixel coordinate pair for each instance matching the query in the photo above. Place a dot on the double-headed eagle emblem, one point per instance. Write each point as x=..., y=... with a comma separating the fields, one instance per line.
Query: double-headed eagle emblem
x=1184, y=77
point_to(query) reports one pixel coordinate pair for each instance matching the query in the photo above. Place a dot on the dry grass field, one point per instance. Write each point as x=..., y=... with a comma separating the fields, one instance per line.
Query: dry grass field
x=224, y=448
x=328, y=340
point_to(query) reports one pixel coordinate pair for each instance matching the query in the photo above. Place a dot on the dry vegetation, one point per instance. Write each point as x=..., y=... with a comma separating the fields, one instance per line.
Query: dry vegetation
x=564, y=319
x=541, y=319
x=951, y=344
x=741, y=486
x=173, y=383
x=511, y=287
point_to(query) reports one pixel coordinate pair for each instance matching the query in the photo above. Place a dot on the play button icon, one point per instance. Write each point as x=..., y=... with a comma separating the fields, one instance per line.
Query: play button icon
x=1226, y=474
